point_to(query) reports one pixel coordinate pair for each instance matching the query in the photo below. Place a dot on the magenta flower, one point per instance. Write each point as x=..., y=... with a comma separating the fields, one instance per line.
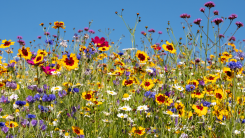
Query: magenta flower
x=220, y=36
x=151, y=30
x=142, y=32
x=86, y=29
x=197, y=21
x=202, y=10
x=39, y=37
x=217, y=21
x=232, y=16
x=159, y=32
x=239, y=24
x=19, y=37
x=232, y=38
x=47, y=70
x=209, y=4
x=46, y=33
x=185, y=15
x=216, y=12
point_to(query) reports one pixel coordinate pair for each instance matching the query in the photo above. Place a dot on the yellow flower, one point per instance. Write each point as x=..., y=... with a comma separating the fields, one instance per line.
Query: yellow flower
x=163, y=99
x=11, y=124
x=87, y=95
x=169, y=47
x=58, y=25
x=77, y=130
x=38, y=59
x=6, y=43
x=210, y=78
x=103, y=48
x=42, y=52
x=70, y=62
x=227, y=55
x=142, y=56
x=25, y=53
x=138, y=131
x=147, y=84
x=200, y=109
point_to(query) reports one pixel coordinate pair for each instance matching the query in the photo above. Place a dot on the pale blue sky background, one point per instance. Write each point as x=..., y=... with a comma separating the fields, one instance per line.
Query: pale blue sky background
x=22, y=17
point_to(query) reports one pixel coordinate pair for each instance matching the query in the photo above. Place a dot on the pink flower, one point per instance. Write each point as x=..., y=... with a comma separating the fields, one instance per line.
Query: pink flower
x=47, y=70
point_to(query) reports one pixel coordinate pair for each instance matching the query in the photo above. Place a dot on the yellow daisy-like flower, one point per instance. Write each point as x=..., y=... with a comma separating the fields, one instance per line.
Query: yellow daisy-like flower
x=103, y=48
x=88, y=95
x=77, y=130
x=193, y=82
x=169, y=47
x=6, y=43
x=25, y=53
x=142, y=56
x=58, y=25
x=210, y=78
x=138, y=131
x=11, y=124
x=200, y=109
x=38, y=59
x=219, y=94
x=128, y=82
x=197, y=95
x=223, y=59
x=42, y=52
x=147, y=84
x=163, y=99
x=227, y=55
x=70, y=62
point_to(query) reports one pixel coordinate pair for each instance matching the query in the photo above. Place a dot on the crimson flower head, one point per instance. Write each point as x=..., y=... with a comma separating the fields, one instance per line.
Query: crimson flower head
x=100, y=42
x=239, y=24
x=47, y=70
x=209, y=4
x=202, y=10
x=217, y=21
x=216, y=12
x=197, y=21
x=185, y=15
x=232, y=16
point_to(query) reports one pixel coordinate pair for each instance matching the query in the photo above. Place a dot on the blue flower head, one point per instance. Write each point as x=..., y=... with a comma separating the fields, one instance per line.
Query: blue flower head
x=190, y=87
x=20, y=103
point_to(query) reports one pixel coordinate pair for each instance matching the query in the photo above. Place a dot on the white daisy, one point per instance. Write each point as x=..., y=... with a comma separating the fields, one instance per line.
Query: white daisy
x=143, y=107
x=111, y=92
x=125, y=108
x=121, y=115
x=126, y=97
x=149, y=70
x=57, y=88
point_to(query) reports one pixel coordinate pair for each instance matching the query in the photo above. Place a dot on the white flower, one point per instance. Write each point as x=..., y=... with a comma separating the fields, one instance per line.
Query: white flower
x=63, y=43
x=125, y=108
x=182, y=63
x=121, y=115
x=13, y=96
x=130, y=49
x=15, y=106
x=111, y=92
x=57, y=88
x=178, y=87
x=149, y=70
x=143, y=107
x=239, y=76
x=106, y=113
x=55, y=72
x=237, y=132
x=106, y=120
x=148, y=114
x=126, y=97
x=130, y=120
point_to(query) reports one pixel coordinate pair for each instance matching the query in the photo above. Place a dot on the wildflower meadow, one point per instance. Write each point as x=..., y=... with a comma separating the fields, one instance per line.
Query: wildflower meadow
x=88, y=88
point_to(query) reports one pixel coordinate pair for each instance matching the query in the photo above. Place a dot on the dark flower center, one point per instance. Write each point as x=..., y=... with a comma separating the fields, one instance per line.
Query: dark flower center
x=199, y=107
x=24, y=52
x=147, y=84
x=170, y=47
x=69, y=62
x=218, y=95
x=161, y=99
x=141, y=57
x=7, y=43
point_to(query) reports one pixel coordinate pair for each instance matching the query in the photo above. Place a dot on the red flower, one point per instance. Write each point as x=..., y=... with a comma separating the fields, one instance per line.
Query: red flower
x=100, y=42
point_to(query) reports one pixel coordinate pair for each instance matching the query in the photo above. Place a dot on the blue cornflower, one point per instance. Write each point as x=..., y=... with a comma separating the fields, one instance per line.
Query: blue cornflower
x=73, y=90
x=2, y=124
x=20, y=103
x=50, y=42
x=37, y=97
x=190, y=87
x=30, y=99
x=48, y=98
x=235, y=65
x=205, y=103
x=30, y=116
x=120, y=53
x=78, y=56
x=147, y=93
x=174, y=110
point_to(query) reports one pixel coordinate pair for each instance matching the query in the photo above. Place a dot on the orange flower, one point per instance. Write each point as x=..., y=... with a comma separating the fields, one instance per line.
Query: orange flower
x=58, y=25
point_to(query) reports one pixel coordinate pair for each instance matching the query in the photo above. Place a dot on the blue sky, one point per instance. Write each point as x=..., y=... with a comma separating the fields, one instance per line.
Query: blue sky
x=23, y=17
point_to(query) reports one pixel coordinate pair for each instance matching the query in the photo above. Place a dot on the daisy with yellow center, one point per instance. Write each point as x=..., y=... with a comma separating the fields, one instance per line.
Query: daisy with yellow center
x=57, y=88
x=169, y=47
x=126, y=97
x=6, y=43
x=125, y=108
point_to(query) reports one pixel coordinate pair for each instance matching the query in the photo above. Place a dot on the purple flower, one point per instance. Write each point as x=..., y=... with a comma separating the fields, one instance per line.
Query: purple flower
x=235, y=65
x=55, y=36
x=21, y=42
x=151, y=30
x=233, y=38
x=5, y=129
x=32, y=87
x=232, y=16
x=197, y=21
x=33, y=122
x=221, y=35
x=39, y=37
x=190, y=87
x=50, y=42
x=79, y=31
x=4, y=99
x=217, y=21
x=159, y=32
x=46, y=33
x=91, y=31
x=209, y=4
x=45, y=86
x=86, y=28
x=19, y=37
x=185, y=15
x=30, y=99
x=62, y=93
x=48, y=98
x=142, y=32
x=239, y=24
x=201, y=82
x=216, y=12
x=202, y=10
x=20, y=103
